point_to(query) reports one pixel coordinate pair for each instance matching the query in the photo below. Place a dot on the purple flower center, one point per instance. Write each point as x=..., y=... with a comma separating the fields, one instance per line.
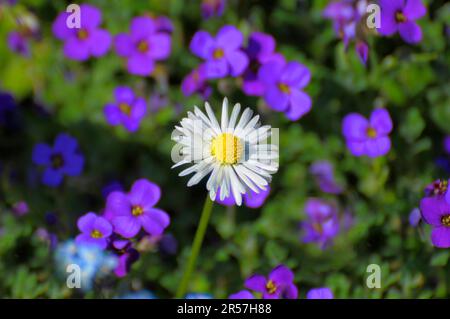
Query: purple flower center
x=137, y=210
x=82, y=34
x=318, y=227
x=57, y=161
x=371, y=132
x=400, y=17
x=445, y=220
x=439, y=187
x=271, y=287
x=125, y=108
x=284, y=88
x=96, y=234
x=218, y=54
x=143, y=46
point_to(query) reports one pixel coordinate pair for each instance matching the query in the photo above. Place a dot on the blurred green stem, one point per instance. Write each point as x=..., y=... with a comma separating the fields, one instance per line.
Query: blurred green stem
x=197, y=244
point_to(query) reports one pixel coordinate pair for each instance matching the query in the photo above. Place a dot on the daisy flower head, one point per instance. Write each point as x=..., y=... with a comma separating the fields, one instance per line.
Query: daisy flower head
x=234, y=153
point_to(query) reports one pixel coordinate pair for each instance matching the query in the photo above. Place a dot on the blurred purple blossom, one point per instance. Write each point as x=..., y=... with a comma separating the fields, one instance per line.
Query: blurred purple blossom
x=243, y=294
x=18, y=43
x=211, y=8
x=89, y=40
x=195, y=82
x=60, y=159
x=368, y=137
x=320, y=293
x=20, y=208
x=144, y=45
x=324, y=176
x=127, y=256
x=414, y=217
x=250, y=199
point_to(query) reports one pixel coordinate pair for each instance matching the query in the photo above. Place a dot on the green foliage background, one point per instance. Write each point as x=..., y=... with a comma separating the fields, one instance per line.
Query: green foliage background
x=57, y=95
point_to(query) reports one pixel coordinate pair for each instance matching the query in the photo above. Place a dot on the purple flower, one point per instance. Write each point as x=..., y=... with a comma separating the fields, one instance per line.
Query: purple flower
x=143, y=46
x=157, y=101
x=368, y=137
x=127, y=256
x=59, y=160
x=283, y=88
x=20, y=208
x=414, y=217
x=322, y=224
x=439, y=189
x=195, y=82
x=243, y=294
x=95, y=230
x=128, y=109
x=399, y=16
x=436, y=212
x=320, y=293
x=18, y=43
x=86, y=41
x=447, y=144
x=278, y=285
x=324, y=176
x=134, y=210
x=250, y=199
x=362, y=49
x=211, y=8
x=163, y=24
x=223, y=55
x=260, y=50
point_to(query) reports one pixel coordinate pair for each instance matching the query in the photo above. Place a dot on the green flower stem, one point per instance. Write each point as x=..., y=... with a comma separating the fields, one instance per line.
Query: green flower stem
x=196, y=245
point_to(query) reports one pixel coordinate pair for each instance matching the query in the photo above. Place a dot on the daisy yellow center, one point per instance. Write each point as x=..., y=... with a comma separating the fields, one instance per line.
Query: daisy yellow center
x=82, y=34
x=226, y=148
x=125, y=108
x=271, y=287
x=445, y=220
x=371, y=132
x=143, y=46
x=96, y=234
x=284, y=88
x=137, y=210
x=400, y=17
x=218, y=54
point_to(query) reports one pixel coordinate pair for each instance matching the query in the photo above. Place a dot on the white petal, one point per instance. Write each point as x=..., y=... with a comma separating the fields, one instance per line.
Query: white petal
x=234, y=116
x=224, y=121
x=212, y=117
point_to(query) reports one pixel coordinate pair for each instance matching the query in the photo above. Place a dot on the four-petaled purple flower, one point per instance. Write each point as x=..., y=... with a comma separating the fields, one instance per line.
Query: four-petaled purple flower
x=195, y=82
x=283, y=88
x=399, y=16
x=143, y=46
x=368, y=137
x=128, y=109
x=95, y=230
x=86, y=41
x=279, y=284
x=223, y=55
x=134, y=210
x=59, y=160
x=436, y=212
x=260, y=50
x=320, y=293
x=211, y=8
x=250, y=199
x=322, y=224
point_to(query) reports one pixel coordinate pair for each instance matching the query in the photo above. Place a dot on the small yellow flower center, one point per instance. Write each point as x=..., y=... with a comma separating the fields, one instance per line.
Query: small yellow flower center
x=226, y=148
x=125, y=108
x=371, y=132
x=57, y=161
x=400, y=17
x=445, y=220
x=96, y=234
x=143, y=46
x=137, y=210
x=218, y=54
x=271, y=287
x=82, y=34
x=284, y=88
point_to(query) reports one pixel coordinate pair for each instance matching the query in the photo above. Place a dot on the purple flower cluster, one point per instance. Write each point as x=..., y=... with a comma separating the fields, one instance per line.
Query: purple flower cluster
x=89, y=40
x=278, y=285
x=128, y=110
x=60, y=159
x=347, y=17
x=147, y=42
x=250, y=199
x=124, y=216
x=322, y=223
x=400, y=16
x=435, y=211
x=368, y=137
x=264, y=72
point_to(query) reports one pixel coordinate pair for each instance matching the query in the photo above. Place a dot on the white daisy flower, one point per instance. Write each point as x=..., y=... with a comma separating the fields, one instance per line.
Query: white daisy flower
x=235, y=152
